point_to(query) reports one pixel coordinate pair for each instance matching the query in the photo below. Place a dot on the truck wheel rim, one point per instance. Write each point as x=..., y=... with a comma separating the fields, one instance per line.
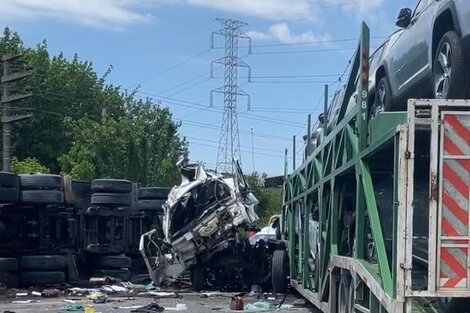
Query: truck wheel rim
x=380, y=106
x=443, y=72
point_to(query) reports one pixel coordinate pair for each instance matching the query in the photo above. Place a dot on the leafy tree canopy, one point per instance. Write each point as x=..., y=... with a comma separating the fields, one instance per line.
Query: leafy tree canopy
x=270, y=199
x=137, y=140
x=28, y=165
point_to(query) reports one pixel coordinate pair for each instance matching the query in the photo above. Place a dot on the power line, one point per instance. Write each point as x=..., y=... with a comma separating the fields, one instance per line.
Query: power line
x=244, y=151
x=172, y=67
x=318, y=6
x=314, y=42
x=212, y=126
x=305, y=51
x=184, y=83
x=185, y=103
x=189, y=87
x=248, y=147
x=291, y=82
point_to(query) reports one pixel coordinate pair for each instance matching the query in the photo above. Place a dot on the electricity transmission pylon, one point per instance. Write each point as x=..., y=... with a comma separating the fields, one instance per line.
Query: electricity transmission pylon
x=229, y=142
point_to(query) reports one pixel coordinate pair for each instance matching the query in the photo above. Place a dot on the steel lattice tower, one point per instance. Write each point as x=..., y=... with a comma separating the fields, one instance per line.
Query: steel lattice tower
x=229, y=142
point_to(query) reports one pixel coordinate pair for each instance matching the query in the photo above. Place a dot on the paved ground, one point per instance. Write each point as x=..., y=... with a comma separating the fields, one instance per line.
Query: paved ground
x=193, y=302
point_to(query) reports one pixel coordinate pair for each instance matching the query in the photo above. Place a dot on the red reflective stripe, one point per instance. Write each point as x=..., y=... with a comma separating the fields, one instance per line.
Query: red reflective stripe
x=456, y=181
x=451, y=147
x=460, y=129
x=458, y=268
x=455, y=208
x=452, y=282
x=448, y=229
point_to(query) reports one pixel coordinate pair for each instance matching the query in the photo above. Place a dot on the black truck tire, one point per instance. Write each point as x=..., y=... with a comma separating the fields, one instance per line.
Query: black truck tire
x=106, y=185
x=9, y=180
x=42, y=278
x=150, y=205
x=42, y=196
x=198, y=278
x=456, y=82
x=42, y=262
x=41, y=181
x=113, y=199
x=8, y=265
x=160, y=193
x=112, y=261
x=280, y=271
x=9, y=195
x=454, y=305
x=122, y=274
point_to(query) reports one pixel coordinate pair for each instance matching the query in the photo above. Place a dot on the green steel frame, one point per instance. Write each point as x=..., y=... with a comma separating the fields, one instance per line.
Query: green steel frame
x=340, y=174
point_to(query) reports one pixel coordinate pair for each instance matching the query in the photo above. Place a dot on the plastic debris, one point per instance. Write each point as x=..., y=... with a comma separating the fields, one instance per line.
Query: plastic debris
x=130, y=307
x=256, y=289
x=138, y=288
x=97, y=297
x=21, y=294
x=179, y=307
x=89, y=309
x=36, y=293
x=50, y=293
x=69, y=301
x=81, y=291
x=236, y=304
x=159, y=294
x=150, y=286
x=117, y=288
x=257, y=307
x=24, y=301
x=151, y=308
x=211, y=294
x=73, y=307
x=99, y=281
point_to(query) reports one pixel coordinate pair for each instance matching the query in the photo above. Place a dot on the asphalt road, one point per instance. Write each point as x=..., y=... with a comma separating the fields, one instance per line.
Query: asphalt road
x=194, y=304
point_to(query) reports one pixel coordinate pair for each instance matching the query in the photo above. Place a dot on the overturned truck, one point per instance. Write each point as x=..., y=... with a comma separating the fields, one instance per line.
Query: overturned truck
x=201, y=233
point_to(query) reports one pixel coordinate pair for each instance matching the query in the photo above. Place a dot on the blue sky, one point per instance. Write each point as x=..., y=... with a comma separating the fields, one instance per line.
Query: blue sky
x=164, y=46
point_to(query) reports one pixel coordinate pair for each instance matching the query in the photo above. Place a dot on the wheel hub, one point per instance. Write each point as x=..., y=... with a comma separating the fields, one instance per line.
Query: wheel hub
x=443, y=72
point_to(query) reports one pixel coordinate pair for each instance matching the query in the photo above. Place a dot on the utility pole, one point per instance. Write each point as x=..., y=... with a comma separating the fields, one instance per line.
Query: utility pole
x=253, y=150
x=8, y=118
x=229, y=142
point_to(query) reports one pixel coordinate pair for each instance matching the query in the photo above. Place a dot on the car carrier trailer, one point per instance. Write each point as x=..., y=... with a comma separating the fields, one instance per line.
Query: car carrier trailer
x=377, y=192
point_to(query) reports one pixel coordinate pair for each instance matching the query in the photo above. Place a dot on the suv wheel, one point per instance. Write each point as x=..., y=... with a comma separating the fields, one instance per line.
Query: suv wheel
x=383, y=97
x=448, y=69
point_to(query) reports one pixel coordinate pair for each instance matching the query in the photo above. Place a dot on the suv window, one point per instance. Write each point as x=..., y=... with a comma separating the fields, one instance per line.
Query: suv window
x=420, y=7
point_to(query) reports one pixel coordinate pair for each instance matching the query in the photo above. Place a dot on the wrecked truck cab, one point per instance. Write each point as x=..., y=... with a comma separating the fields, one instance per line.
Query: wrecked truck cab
x=201, y=215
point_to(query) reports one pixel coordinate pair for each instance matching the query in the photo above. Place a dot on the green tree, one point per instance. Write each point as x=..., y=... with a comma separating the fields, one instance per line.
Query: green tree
x=141, y=146
x=137, y=139
x=61, y=89
x=28, y=165
x=270, y=199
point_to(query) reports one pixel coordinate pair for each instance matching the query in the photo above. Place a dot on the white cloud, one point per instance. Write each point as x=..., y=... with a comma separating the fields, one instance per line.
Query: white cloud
x=282, y=33
x=359, y=8
x=100, y=13
x=268, y=9
x=257, y=35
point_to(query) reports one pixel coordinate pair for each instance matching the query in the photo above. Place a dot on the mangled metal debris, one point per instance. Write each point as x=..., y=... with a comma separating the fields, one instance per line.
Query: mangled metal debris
x=201, y=223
